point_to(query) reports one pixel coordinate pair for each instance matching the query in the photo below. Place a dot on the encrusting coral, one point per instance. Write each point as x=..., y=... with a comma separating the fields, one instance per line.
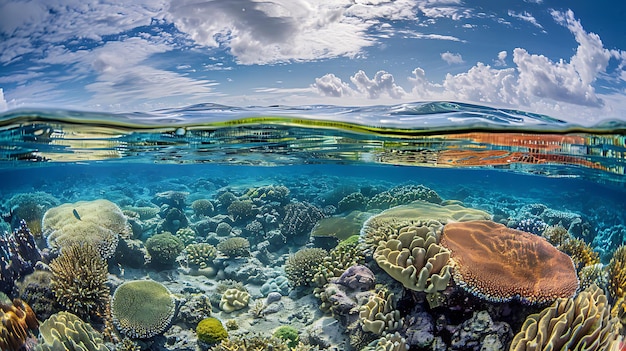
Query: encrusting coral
x=98, y=223
x=17, y=320
x=142, y=308
x=65, y=331
x=79, y=277
x=500, y=264
x=583, y=323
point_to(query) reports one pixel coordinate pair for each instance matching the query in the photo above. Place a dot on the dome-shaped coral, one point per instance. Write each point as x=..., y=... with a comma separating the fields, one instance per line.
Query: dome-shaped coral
x=235, y=247
x=211, y=330
x=233, y=300
x=142, y=308
x=301, y=267
x=164, y=248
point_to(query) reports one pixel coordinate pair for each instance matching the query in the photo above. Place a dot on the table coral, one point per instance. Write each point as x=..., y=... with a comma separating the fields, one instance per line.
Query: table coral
x=65, y=331
x=501, y=264
x=96, y=222
x=17, y=320
x=142, y=308
x=583, y=323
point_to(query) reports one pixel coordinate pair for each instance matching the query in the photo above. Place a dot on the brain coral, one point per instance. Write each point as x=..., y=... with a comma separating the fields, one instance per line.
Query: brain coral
x=583, y=323
x=79, y=277
x=65, y=331
x=500, y=264
x=96, y=222
x=414, y=258
x=16, y=321
x=142, y=308
x=233, y=300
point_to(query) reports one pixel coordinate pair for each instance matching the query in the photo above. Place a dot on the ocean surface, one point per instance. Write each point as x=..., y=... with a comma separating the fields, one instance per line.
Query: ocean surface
x=270, y=217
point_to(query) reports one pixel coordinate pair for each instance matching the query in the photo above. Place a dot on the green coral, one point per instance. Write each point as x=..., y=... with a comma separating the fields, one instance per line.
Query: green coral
x=65, y=331
x=200, y=255
x=404, y=194
x=242, y=210
x=211, y=330
x=186, y=235
x=164, y=248
x=287, y=333
x=346, y=254
x=301, y=267
x=142, y=308
x=235, y=247
x=202, y=207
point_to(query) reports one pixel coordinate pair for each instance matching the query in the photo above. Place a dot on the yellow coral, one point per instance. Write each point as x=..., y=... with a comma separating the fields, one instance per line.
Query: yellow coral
x=233, y=300
x=583, y=323
x=581, y=253
x=379, y=315
x=65, y=331
x=17, y=320
x=617, y=273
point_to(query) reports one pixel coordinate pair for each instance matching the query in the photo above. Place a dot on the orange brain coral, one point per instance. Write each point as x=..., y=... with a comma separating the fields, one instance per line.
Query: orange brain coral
x=501, y=264
x=16, y=321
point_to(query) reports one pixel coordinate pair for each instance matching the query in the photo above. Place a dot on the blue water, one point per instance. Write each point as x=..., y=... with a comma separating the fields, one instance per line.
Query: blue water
x=503, y=162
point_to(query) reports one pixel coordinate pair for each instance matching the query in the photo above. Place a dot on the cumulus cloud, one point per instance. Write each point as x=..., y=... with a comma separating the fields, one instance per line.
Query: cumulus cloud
x=382, y=84
x=331, y=85
x=500, y=61
x=451, y=58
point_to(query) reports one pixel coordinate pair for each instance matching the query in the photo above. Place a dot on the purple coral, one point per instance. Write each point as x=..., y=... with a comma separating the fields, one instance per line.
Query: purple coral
x=357, y=277
x=18, y=257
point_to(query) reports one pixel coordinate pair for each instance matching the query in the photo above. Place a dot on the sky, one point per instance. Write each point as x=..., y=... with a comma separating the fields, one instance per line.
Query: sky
x=565, y=59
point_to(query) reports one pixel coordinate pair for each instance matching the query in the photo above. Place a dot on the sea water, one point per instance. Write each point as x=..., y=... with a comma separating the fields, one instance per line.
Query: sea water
x=527, y=172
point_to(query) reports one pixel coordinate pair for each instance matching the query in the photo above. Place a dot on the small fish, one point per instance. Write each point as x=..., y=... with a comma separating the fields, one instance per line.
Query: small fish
x=76, y=214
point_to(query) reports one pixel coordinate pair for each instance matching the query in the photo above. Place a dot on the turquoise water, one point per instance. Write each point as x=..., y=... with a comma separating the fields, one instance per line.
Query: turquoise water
x=293, y=173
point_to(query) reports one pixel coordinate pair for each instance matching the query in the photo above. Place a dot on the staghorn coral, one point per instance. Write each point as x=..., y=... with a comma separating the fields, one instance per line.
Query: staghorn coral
x=379, y=315
x=65, y=331
x=617, y=273
x=404, y=194
x=79, y=277
x=98, y=223
x=235, y=247
x=501, y=264
x=164, y=248
x=233, y=300
x=583, y=323
x=17, y=320
x=414, y=258
x=142, y=308
x=301, y=267
x=200, y=255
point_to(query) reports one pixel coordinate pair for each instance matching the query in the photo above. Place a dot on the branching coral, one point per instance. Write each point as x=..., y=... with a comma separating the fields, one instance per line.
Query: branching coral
x=583, y=323
x=301, y=267
x=339, y=259
x=617, y=273
x=65, y=331
x=17, y=320
x=200, y=255
x=202, y=207
x=242, y=210
x=142, y=308
x=79, y=277
x=300, y=218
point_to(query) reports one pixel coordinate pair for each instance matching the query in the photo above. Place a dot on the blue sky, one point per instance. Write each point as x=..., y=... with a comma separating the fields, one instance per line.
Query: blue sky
x=534, y=55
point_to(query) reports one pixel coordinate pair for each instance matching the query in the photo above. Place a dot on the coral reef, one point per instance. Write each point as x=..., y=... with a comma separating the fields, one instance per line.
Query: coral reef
x=17, y=320
x=211, y=330
x=288, y=334
x=414, y=258
x=97, y=222
x=35, y=289
x=194, y=308
x=389, y=342
x=234, y=247
x=269, y=193
x=402, y=195
x=171, y=198
x=242, y=210
x=18, y=256
x=186, y=235
x=252, y=342
x=31, y=207
x=202, y=207
x=300, y=218
x=301, y=267
x=500, y=264
x=480, y=332
x=65, y=331
x=352, y=202
x=583, y=323
x=617, y=273
x=233, y=300
x=164, y=248
x=348, y=253
x=79, y=281
x=142, y=308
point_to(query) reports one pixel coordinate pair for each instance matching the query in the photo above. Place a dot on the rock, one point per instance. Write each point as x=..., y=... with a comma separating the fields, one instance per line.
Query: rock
x=420, y=331
x=358, y=277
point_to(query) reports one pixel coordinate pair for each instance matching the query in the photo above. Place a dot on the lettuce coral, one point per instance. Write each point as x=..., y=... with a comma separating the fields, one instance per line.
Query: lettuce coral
x=65, y=331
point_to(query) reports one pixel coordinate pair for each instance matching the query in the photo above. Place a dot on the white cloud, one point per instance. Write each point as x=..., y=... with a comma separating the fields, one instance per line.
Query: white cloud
x=525, y=16
x=382, y=84
x=451, y=58
x=3, y=102
x=331, y=85
x=500, y=61
x=417, y=35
